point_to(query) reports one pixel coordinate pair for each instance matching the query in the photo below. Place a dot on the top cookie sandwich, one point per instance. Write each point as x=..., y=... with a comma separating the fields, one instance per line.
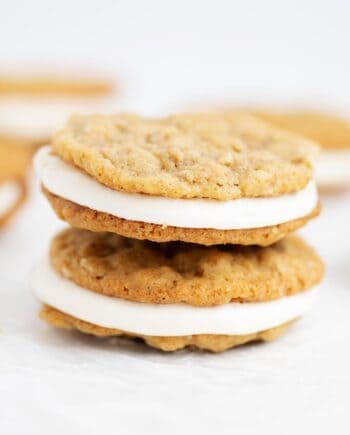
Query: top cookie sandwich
x=205, y=178
x=331, y=132
x=33, y=107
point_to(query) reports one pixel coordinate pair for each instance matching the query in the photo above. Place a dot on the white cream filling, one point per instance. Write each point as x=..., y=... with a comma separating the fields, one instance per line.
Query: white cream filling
x=164, y=319
x=333, y=168
x=10, y=192
x=39, y=117
x=70, y=183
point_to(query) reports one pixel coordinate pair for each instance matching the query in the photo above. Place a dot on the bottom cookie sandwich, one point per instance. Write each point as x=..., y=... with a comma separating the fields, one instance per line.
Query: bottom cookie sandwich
x=175, y=295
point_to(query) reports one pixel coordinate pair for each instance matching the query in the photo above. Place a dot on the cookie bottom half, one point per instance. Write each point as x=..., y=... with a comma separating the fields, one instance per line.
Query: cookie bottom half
x=212, y=343
x=83, y=217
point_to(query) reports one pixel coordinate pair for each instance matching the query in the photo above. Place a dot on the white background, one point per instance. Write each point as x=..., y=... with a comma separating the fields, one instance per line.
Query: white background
x=171, y=55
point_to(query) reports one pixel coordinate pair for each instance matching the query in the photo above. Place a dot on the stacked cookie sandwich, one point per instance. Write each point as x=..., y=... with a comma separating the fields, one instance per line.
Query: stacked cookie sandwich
x=180, y=229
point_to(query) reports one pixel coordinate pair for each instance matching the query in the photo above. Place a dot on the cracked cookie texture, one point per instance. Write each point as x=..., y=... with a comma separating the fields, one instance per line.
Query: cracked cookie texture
x=166, y=273
x=201, y=155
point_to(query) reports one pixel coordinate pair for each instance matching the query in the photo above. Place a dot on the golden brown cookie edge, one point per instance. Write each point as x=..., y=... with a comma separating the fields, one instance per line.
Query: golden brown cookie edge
x=85, y=218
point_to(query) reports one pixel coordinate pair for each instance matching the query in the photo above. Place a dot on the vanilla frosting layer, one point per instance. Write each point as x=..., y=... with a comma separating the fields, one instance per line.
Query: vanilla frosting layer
x=333, y=168
x=164, y=320
x=73, y=184
x=38, y=117
x=10, y=192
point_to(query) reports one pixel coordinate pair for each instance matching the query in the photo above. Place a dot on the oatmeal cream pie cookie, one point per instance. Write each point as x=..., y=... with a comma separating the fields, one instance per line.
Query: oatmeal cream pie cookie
x=331, y=132
x=175, y=294
x=204, y=178
x=14, y=162
x=33, y=107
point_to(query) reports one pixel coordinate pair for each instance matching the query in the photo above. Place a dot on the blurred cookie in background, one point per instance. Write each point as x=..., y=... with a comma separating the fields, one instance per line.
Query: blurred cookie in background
x=333, y=135
x=32, y=107
x=14, y=162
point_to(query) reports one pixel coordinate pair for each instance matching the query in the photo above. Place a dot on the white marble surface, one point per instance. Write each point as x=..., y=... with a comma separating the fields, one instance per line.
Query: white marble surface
x=53, y=381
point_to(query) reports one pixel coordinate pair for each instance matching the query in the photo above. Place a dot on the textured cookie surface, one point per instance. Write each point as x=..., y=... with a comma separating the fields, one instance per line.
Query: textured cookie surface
x=86, y=218
x=203, y=155
x=327, y=130
x=181, y=272
x=55, y=86
x=213, y=343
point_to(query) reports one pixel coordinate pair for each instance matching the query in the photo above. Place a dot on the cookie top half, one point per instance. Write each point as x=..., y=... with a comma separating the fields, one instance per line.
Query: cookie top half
x=168, y=273
x=331, y=132
x=202, y=155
